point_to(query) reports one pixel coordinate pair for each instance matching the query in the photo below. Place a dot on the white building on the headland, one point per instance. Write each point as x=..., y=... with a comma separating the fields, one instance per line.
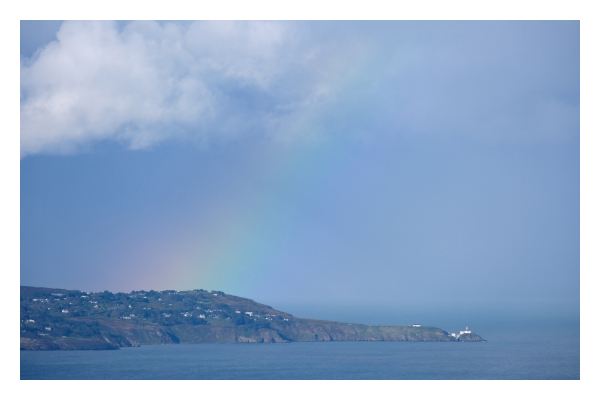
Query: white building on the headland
x=465, y=331
x=417, y=325
x=249, y=313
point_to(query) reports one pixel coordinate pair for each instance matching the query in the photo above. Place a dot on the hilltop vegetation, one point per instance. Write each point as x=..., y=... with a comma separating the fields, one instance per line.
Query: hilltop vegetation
x=71, y=319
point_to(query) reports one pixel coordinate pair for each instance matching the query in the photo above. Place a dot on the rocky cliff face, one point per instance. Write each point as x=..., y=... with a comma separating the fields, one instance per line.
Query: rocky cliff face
x=470, y=337
x=67, y=344
x=56, y=319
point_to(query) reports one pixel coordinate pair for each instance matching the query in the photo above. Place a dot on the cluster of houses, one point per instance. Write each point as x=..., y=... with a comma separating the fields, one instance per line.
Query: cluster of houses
x=207, y=313
x=211, y=314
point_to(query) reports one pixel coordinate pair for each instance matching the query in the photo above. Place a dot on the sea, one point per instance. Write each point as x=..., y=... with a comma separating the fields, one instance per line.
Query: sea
x=542, y=349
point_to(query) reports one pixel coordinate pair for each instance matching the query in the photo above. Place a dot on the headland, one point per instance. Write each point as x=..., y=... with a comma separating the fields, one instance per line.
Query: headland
x=60, y=319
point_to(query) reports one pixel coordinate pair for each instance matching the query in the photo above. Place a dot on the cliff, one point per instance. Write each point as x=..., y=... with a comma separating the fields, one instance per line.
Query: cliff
x=58, y=319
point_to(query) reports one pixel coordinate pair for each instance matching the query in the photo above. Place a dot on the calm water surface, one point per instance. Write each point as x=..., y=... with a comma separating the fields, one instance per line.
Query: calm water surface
x=507, y=355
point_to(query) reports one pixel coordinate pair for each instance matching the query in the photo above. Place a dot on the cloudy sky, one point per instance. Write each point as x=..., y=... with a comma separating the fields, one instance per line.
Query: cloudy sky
x=344, y=163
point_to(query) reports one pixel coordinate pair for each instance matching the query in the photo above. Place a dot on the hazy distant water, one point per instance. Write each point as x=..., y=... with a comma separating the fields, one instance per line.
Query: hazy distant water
x=533, y=354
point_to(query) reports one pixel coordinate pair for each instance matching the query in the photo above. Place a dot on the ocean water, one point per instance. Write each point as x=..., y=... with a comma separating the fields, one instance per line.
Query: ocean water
x=534, y=354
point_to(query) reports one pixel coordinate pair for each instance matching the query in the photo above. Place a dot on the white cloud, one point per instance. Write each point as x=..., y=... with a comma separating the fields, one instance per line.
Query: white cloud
x=148, y=82
x=145, y=83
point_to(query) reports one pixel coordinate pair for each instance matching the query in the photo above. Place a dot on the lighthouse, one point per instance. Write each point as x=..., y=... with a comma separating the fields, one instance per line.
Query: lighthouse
x=465, y=331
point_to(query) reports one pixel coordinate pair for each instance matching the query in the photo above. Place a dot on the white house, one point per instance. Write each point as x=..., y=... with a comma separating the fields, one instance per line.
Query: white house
x=201, y=316
x=417, y=325
x=465, y=331
x=249, y=313
x=65, y=311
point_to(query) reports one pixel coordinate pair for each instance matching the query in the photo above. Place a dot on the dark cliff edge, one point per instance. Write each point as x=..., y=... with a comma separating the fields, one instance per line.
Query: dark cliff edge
x=58, y=319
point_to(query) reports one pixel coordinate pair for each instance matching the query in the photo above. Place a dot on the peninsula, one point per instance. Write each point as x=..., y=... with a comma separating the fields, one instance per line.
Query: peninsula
x=59, y=319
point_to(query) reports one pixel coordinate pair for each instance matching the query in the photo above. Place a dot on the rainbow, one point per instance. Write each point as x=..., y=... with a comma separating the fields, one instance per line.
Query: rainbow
x=248, y=236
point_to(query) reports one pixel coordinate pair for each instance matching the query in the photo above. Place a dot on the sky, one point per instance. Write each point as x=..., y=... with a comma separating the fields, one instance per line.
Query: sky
x=311, y=166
